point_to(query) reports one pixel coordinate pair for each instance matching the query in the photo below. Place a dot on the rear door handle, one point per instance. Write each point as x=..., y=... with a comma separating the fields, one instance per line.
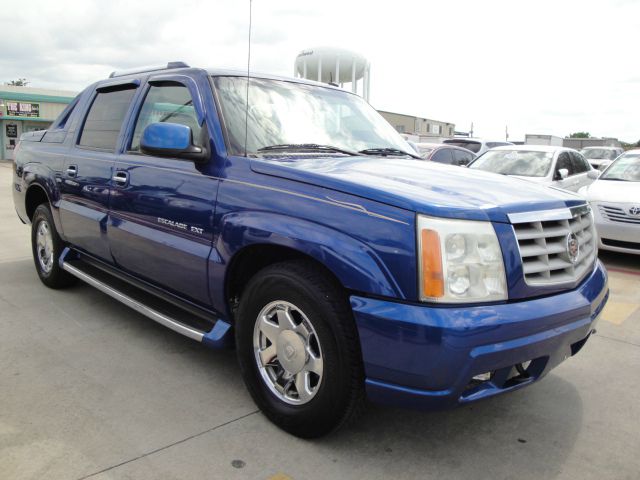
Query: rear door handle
x=120, y=178
x=72, y=170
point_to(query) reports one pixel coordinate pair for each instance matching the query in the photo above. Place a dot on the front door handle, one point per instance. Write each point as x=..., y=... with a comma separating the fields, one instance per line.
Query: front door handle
x=72, y=170
x=120, y=178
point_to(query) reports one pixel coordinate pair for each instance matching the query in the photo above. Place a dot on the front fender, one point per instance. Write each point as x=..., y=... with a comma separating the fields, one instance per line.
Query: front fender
x=357, y=266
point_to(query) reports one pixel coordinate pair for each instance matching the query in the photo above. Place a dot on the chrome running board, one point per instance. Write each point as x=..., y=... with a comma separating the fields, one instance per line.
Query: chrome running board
x=212, y=332
x=137, y=306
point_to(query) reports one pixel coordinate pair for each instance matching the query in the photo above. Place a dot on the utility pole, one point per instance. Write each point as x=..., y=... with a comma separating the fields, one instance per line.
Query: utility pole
x=506, y=133
x=471, y=131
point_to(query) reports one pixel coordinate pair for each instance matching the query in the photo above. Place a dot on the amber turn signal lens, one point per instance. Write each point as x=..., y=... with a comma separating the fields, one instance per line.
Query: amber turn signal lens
x=432, y=277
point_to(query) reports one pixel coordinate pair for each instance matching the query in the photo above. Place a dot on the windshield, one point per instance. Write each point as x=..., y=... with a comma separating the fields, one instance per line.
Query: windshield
x=469, y=145
x=515, y=162
x=282, y=113
x=598, y=153
x=626, y=168
x=424, y=151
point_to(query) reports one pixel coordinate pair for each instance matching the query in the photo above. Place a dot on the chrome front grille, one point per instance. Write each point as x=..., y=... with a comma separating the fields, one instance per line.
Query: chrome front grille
x=547, y=244
x=618, y=214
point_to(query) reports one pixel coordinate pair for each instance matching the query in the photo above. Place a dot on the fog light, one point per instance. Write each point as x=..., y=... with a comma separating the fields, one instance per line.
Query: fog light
x=483, y=377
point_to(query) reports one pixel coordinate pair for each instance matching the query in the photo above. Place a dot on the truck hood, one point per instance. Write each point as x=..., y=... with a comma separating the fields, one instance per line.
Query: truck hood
x=538, y=180
x=424, y=187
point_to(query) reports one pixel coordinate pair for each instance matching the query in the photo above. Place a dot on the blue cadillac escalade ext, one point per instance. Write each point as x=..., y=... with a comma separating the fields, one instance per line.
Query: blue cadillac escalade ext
x=288, y=219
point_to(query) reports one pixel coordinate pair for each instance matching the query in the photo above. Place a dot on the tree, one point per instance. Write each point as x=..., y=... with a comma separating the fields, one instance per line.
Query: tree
x=580, y=135
x=21, y=82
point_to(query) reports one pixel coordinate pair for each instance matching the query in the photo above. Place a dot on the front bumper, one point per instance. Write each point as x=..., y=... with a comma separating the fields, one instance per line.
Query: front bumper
x=623, y=237
x=426, y=356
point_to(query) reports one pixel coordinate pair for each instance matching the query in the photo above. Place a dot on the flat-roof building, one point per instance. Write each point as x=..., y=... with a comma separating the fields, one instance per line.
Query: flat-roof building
x=425, y=128
x=25, y=109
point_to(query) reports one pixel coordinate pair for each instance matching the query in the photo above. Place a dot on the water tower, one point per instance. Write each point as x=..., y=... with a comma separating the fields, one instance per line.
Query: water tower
x=334, y=65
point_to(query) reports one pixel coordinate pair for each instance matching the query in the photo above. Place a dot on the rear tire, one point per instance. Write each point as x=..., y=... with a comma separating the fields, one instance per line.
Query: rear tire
x=47, y=246
x=298, y=349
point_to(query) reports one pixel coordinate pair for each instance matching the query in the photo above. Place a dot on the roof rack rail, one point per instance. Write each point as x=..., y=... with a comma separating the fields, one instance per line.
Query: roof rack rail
x=131, y=71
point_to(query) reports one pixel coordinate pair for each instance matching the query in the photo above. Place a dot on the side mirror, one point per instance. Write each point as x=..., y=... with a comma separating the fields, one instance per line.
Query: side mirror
x=562, y=174
x=593, y=174
x=170, y=140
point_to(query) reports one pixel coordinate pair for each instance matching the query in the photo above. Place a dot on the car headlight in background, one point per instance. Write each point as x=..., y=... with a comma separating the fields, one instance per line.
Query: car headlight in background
x=460, y=261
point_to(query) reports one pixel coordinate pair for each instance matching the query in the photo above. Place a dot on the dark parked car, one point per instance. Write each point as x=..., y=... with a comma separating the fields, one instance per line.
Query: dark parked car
x=437, y=152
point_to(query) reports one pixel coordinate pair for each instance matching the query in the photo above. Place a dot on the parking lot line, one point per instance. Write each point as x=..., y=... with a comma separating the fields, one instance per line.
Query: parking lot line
x=618, y=312
x=279, y=476
x=622, y=270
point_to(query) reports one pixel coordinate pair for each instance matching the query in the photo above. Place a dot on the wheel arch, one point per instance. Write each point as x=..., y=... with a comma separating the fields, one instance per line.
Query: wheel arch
x=248, y=261
x=36, y=195
x=252, y=242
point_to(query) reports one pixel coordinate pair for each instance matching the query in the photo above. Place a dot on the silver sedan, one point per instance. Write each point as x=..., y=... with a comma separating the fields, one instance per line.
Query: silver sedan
x=552, y=166
x=615, y=200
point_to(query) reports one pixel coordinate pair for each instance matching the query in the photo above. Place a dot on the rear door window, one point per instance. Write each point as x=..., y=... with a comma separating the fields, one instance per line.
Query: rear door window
x=103, y=122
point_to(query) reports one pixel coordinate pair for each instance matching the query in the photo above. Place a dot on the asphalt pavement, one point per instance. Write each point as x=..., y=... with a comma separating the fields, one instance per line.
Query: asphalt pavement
x=92, y=389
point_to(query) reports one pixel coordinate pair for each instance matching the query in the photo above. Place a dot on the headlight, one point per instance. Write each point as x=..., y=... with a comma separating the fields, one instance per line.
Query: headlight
x=460, y=261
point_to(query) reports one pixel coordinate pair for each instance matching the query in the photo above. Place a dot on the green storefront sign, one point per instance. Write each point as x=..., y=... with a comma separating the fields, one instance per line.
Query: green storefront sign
x=23, y=109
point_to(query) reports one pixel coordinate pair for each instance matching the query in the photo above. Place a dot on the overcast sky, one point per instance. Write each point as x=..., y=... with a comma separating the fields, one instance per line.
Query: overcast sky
x=550, y=67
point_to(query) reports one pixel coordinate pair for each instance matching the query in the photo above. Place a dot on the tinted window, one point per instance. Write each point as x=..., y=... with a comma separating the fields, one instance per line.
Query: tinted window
x=171, y=103
x=461, y=157
x=442, y=155
x=579, y=164
x=497, y=144
x=104, y=120
x=564, y=161
x=469, y=145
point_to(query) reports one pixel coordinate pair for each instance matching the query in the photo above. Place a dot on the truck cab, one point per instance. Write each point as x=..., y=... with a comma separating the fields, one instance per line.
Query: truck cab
x=287, y=219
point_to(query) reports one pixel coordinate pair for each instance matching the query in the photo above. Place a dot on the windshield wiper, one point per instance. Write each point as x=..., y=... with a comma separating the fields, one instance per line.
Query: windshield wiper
x=386, y=151
x=306, y=146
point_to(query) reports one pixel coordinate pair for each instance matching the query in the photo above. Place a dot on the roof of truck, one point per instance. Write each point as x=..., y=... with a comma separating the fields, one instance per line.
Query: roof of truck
x=176, y=67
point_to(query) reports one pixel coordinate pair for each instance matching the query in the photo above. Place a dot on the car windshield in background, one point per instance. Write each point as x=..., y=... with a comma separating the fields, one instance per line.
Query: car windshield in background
x=514, y=162
x=424, y=151
x=473, y=146
x=291, y=115
x=598, y=153
x=626, y=168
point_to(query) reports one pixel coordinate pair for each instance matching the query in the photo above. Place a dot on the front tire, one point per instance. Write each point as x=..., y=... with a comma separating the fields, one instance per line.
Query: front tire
x=47, y=247
x=298, y=349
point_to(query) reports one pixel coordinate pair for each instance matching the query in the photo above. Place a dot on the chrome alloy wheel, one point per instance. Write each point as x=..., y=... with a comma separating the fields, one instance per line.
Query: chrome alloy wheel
x=287, y=352
x=44, y=246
